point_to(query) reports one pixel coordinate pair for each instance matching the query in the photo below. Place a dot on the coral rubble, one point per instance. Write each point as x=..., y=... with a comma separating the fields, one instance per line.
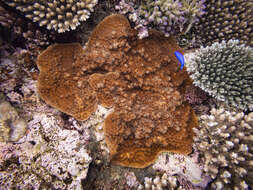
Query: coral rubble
x=225, y=20
x=224, y=140
x=140, y=79
x=59, y=15
x=50, y=157
x=225, y=70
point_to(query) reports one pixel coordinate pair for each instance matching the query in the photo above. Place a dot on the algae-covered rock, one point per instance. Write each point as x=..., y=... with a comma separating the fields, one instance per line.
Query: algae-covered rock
x=12, y=127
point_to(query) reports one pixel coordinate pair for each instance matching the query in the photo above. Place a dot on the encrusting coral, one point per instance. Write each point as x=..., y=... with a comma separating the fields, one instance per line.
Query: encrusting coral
x=226, y=19
x=140, y=79
x=224, y=70
x=224, y=140
x=60, y=15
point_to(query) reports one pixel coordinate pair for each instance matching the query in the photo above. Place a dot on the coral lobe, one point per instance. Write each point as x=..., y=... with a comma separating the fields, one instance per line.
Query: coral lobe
x=140, y=79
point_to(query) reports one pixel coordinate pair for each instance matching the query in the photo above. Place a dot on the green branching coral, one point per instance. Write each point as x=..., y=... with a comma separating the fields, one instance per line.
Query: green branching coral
x=225, y=70
x=60, y=15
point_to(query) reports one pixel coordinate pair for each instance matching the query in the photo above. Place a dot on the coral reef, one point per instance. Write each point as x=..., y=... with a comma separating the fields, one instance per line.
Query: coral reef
x=224, y=140
x=59, y=15
x=159, y=183
x=6, y=19
x=12, y=127
x=184, y=166
x=194, y=95
x=224, y=70
x=138, y=78
x=45, y=158
x=167, y=16
x=57, y=86
x=48, y=156
x=225, y=20
x=20, y=32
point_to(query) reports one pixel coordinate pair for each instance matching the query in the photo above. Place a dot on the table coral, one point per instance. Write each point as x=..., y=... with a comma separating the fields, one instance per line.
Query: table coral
x=225, y=20
x=140, y=79
x=224, y=70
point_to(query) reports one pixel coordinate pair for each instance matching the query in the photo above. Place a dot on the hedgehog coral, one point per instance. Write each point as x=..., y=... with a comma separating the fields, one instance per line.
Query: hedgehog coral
x=60, y=15
x=225, y=71
x=138, y=78
x=227, y=19
x=224, y=140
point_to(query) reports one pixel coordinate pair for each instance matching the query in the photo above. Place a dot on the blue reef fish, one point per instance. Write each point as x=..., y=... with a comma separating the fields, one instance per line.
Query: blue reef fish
x=180, y=58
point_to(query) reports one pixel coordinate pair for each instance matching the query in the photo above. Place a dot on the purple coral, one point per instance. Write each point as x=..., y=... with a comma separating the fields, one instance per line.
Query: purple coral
x=169, y=17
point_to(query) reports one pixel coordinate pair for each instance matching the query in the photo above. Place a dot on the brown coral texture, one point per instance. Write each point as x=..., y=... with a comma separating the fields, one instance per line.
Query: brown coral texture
x=140, y=79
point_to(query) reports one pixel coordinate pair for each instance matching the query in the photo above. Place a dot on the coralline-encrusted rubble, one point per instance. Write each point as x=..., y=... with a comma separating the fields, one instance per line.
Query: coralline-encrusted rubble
x=225, y=71
x=224, y=140
x=48, y=157
x=60, y=15
x=12, y=127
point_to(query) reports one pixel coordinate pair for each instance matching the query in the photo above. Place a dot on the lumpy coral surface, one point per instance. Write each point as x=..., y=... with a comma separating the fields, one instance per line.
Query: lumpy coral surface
x=140, y=79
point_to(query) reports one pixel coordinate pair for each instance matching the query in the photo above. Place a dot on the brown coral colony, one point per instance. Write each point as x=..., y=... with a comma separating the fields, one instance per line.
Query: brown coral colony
x=140, y=79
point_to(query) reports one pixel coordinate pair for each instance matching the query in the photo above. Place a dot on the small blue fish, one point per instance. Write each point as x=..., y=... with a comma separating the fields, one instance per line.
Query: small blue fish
x=180, y=58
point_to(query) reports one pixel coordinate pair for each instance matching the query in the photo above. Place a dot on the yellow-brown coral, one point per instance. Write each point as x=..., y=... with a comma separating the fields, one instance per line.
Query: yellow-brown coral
x=140, y=79
x=59, y=83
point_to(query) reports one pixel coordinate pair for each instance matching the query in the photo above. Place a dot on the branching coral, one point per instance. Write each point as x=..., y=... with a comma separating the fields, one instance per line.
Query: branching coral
x=167, y=16
x=183, y=166
x=225, y=70
x=227, y=19
x=60, y=15
x=225, y=141
x=140, y=79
